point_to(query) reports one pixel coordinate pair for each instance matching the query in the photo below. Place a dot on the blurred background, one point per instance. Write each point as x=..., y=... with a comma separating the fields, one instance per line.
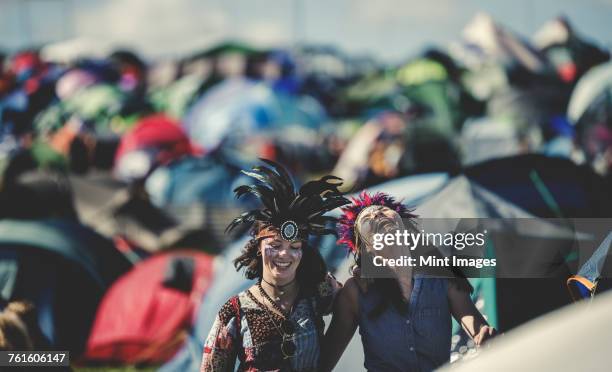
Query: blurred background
x=124, y=126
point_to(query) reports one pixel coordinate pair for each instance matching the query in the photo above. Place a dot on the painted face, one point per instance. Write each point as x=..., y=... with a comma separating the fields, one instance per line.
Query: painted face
x=280, y=258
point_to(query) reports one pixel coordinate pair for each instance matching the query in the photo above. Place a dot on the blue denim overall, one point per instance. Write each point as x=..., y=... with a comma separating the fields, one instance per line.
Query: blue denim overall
x=419, y=340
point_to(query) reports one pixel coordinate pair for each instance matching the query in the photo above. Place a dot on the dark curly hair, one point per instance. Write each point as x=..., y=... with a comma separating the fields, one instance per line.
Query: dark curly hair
x=311, y=271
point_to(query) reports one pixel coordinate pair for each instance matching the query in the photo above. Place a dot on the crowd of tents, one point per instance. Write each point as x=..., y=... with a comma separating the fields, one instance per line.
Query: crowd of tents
x=117, y=173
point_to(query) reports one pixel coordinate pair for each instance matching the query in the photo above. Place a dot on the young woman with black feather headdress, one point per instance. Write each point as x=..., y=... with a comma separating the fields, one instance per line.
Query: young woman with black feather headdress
x=277, y=323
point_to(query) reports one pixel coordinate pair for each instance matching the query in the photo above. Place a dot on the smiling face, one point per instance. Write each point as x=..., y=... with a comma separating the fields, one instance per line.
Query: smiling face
x=280, y=258
x=376, y=219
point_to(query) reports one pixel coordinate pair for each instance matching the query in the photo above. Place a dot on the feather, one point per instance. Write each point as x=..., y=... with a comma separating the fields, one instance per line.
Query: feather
x=346, y=223
x=280, y=202
x=281, y=187
x=280, y=170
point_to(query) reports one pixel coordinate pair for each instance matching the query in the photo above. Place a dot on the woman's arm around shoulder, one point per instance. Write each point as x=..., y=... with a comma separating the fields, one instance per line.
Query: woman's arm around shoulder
x=343, y=325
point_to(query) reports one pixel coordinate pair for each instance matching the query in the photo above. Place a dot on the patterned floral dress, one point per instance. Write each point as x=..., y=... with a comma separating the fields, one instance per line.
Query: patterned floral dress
x=244, y=329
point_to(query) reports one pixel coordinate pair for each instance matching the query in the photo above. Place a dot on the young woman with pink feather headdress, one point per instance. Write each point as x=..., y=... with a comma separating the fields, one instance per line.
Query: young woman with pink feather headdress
x=404, y=319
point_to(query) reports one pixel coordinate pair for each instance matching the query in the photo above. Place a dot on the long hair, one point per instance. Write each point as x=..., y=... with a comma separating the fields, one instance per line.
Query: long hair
x=310, y=272
x=294, y=213
x=389, y=288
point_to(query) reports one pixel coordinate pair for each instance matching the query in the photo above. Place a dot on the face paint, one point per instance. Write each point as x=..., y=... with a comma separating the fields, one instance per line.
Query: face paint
x=280, y=259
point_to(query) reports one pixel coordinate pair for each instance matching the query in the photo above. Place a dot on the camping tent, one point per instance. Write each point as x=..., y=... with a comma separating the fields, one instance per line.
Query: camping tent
x=545, y=186
x=143, y=316
x=242, y=107
x=567, y=50
x=197, y=191
x=112, y=210
x=592, y=88
x=227, y=281
x=63, y=268
x=154, y=140
x=575, y=338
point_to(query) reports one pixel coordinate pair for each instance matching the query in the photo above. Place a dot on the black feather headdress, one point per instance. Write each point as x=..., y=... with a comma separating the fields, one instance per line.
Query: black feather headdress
x=295, y=213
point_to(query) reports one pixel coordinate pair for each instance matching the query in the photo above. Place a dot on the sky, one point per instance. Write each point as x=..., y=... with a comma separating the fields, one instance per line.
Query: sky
x=390, y=30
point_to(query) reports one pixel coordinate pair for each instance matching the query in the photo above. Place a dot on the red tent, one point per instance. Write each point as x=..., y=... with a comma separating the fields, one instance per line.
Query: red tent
x=156, y=138
x=144, y=316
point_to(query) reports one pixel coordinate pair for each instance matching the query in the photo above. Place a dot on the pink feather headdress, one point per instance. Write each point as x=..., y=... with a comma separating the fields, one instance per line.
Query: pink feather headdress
x=346, y=223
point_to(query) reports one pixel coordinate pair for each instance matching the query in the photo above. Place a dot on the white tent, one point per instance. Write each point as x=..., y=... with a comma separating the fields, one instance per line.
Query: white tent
x=575, y=338
x=67, y=51
x=594, y=84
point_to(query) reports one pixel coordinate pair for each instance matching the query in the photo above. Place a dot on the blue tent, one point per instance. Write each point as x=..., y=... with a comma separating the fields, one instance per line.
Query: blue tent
x=240, y=107
x=198, y=193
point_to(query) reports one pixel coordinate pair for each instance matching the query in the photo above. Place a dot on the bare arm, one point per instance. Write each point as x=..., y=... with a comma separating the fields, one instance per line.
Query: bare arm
x=465, y=312
x=343, y=325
